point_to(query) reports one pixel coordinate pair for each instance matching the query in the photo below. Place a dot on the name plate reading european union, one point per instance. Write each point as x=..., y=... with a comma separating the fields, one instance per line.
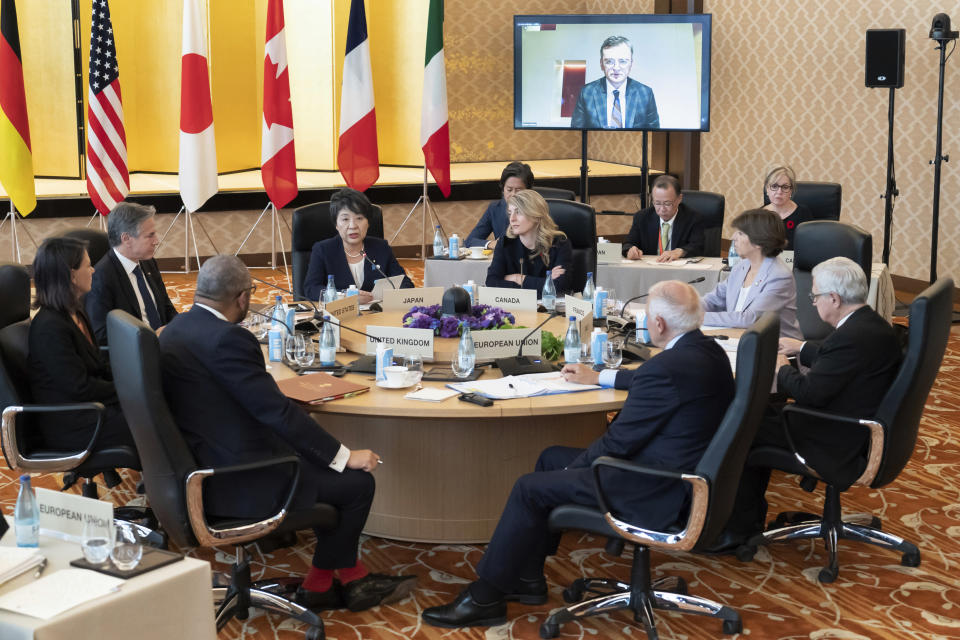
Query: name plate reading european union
x=62, y=514
x=404, y=342
x=504, y=343
x=511, y=299
x=609, y=252
x=403, y=299
x=348, y=307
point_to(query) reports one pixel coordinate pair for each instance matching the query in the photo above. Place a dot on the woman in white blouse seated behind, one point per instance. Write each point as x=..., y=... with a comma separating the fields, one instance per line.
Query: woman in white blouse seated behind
x=760, y=281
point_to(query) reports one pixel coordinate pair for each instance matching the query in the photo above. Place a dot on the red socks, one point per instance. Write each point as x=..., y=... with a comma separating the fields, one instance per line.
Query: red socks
x=355, y=572
x=322, y=579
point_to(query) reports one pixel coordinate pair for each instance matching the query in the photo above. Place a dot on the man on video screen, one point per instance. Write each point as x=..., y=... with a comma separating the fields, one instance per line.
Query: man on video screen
x=616, y=101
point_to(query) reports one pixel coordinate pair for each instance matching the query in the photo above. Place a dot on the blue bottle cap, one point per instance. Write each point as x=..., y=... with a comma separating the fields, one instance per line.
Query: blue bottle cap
x=573, y=318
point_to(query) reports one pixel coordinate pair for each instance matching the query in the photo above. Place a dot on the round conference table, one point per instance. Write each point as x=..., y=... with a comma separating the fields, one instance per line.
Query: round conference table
x=449, y=466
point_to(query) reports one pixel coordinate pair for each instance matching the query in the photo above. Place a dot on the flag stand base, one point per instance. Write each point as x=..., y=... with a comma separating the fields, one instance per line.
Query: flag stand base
x=427, y=209
x=188, y=232
x=275, y=234
x=11, y=217
x=103, y=220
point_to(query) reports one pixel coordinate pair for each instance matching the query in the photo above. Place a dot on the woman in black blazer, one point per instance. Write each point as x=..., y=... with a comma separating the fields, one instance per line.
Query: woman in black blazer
x=65, y=363
x=532, y=244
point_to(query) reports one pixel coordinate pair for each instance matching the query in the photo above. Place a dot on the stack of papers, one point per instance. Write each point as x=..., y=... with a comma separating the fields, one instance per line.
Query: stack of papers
x=58, y=592
x=17, y=560
x=525, y=386
x=430, y=394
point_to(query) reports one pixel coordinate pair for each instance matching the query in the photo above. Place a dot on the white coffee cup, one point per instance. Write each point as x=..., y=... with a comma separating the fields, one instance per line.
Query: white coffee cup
x=396, y=375
x=476, y=252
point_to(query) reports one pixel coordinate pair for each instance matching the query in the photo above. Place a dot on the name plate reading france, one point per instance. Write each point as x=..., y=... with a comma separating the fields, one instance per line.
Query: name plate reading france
x=404, y=342
x=62, y=514
x=348, y=307
x=403, y=299
x=503, y=343
x=511, y=299
x=578, y=307
x=609, y=252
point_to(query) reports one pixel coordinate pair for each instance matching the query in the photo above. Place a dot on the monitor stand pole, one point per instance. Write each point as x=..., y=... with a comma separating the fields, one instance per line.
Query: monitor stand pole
x=644, y=172
x=584, y=194
x=891, y=192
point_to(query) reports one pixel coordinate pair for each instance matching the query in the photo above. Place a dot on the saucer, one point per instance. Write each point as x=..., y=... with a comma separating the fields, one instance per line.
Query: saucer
x=472, y=257
x=385, y=384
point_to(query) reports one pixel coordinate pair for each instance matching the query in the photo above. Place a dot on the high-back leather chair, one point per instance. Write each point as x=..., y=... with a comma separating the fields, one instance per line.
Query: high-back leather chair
x=311, y=224
x=713, y=487
x=822, y=198
x=893, y=435
x=710, y=206
x=174, y=481
x=555, y=193
x=813, y=243
x=97, y=242
x=14, y=293
x=579, y=222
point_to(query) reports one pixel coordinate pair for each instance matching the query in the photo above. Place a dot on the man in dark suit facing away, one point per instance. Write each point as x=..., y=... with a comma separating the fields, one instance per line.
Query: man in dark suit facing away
x=127, y=276
x=676, y=401
x=666, y=229
x=615, y=101
x=232, y=412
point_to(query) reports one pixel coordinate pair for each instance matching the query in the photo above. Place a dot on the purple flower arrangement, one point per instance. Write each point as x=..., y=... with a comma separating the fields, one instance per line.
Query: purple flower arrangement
x=481, y=317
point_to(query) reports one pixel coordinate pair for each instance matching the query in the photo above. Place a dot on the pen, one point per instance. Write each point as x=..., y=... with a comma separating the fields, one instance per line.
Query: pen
x=40, y=568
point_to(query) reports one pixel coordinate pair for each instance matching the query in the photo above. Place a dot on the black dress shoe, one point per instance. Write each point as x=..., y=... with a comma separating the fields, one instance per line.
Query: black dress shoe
x=464, y=612
x=529, y=592
x=376, y=588
x=726, y=543
x=318, y=601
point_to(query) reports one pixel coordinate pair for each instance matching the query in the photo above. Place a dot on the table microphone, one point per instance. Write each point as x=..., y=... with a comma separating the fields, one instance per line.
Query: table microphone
x=623, y=309
x=272, y=320
x=525, y=364
x=377, y=267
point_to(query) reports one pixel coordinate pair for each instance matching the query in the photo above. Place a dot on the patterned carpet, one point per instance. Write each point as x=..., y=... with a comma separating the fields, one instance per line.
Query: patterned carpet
x=777, y=594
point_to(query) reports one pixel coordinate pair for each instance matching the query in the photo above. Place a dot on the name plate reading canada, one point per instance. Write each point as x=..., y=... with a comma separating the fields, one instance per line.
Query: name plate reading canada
x=348, y=307
x=403, y=299
x=609, y=252
x=404, y=342
x=511, y=299
x=504, y=343
x=62, y=514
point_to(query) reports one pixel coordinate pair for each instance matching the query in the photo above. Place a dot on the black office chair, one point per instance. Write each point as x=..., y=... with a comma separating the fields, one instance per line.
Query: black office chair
x=311, y=224
x=813, y=243
x=713, y=487
x=710, y=206
x=174, y=482
x=23, y=451
x=14, y=293
x=579, y=222
x=822, y=198
x=97, y=242
x=893, y=434
x=555, y=193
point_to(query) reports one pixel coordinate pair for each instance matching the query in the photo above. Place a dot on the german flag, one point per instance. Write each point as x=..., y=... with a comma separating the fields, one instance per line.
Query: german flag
x=16, y=159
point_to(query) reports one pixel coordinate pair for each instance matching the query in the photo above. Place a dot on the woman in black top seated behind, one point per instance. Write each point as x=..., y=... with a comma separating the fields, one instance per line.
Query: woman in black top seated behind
x=65, y=363
x=532, y=245
x=780, y=185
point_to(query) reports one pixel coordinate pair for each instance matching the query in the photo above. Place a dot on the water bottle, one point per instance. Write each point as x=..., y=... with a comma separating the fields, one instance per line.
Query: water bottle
x=589, y=289
x=454, y=247
x=438, y=242
x=26, y=515
x=279, y=314
x=352, y=290
x=599, y=303
x=466, y=354
x=328, y=343
x=549, y=294
x=732, y=256
x=571, y=344
x=596, y=345
x=330, y=293
x=471, y=288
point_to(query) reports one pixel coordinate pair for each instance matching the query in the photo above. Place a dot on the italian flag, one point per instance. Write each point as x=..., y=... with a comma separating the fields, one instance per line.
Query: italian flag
x=434, y=128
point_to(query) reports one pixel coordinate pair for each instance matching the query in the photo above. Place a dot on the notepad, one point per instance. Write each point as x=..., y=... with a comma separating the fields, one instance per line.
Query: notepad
x=428, y=394
x=17, y=560
x=60, y=591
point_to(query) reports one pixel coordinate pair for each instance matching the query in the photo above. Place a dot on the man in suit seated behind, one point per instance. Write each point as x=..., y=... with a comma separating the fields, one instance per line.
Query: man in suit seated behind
x=127, y=277
x=666, y=229
x=676, y=401
x=848, y=373
x=615, y=101
x=232, y=412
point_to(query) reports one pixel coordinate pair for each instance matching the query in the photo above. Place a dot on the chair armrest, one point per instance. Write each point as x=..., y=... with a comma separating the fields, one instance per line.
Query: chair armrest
x=210, y=536
x=874, y=449
x=11, y=448
x=683, y=540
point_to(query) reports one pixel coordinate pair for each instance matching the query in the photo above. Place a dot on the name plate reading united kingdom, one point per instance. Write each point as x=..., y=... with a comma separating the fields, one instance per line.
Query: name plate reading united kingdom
x=403, y=299
x=404, y=342
x=577, y=307
x=62, y=514
x=348, y=307
x=504, y=343
x=515, y=299
x=609, y=252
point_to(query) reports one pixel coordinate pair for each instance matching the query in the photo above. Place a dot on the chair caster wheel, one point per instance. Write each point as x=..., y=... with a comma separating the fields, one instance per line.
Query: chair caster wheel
x=315, y=633
x=731, y=627
x=828, y=574
x=911, y=559
x=549, y=630
x=573, y=593
x=745, y=552
x=681, y=587
x=876, y=523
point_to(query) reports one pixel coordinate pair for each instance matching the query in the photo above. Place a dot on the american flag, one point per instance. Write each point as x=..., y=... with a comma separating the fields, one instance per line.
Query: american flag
x=107, y=179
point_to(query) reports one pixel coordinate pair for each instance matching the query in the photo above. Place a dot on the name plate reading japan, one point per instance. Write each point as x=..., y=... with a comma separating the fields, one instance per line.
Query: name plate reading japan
x=62, y=514
x=403, y=299
x=609, y=252
x=504, y=343
x=348, y=307
x=511, y=299
x=404, y=342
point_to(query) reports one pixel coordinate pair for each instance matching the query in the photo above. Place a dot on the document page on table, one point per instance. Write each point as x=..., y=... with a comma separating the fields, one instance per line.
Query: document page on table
x=525, y=386
x=57, y=592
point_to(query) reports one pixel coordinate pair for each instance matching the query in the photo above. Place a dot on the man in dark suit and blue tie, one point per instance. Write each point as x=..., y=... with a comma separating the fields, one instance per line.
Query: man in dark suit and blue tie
x=676, y=401
x=616, y=101
x=127, y=277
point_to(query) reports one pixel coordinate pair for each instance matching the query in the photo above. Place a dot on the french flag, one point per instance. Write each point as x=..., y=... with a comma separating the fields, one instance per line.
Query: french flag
x=357, y=155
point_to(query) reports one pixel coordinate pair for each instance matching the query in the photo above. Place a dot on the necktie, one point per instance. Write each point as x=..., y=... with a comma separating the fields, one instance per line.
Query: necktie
x=664, y=237
x=153, y=316
x=617, y=112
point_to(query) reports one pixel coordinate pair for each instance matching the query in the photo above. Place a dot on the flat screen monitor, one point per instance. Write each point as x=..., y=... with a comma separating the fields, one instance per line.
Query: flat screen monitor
x=637, y=72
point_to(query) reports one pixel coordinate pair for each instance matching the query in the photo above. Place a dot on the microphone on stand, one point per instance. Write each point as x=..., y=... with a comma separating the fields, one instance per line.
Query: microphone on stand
x=377, y=267
x=623, y=309
x=272, y=320
x=522, y=364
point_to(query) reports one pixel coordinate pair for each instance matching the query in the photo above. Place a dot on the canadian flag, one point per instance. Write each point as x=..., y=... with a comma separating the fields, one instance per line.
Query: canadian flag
x=278, y=164
x=198, y=149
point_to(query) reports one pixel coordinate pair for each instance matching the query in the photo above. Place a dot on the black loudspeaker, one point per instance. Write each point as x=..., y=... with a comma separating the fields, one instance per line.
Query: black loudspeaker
x=884, y=60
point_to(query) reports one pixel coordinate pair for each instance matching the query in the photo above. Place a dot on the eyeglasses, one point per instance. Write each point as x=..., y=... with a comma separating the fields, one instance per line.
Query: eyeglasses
x=251, y=289
x=617, y=62
x=814, y=296
x=664, y=205
x=786, y=188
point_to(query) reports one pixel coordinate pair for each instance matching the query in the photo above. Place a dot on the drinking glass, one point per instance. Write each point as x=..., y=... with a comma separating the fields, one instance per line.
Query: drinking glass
x=462, y=364
x=127, y=547
x=414, y=365
x=612, y=353
x=96, y=540
x=610, y=306
x=290, y=347
x=304, y=350
x=585, y=357
x=256, y=325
